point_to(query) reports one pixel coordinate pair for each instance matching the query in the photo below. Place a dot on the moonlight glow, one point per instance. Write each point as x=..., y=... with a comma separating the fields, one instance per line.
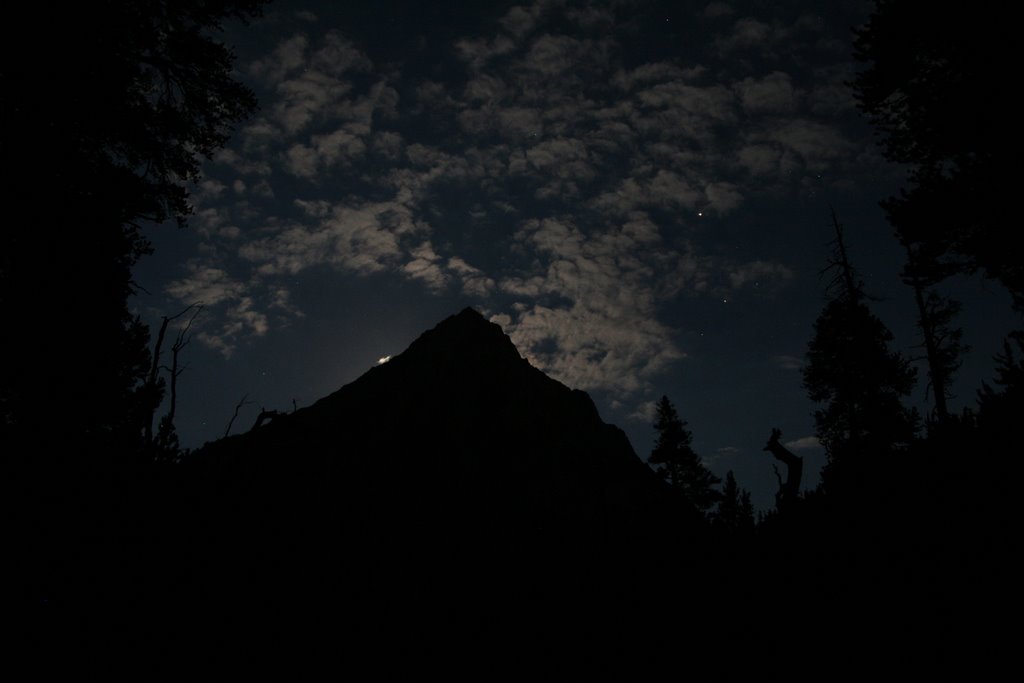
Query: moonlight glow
x=383, y=360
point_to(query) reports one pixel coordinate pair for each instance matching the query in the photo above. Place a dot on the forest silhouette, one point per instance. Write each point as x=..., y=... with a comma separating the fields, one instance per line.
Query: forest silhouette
x=454, y=509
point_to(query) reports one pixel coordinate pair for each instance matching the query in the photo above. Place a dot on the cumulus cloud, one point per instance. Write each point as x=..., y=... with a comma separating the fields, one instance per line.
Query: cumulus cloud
x=477, y=53
x=645, y=412
x=362, y=237
x=804, y=443
x=520, y=20
x=750, y=34
x=544, y=177
x=771, y=93
x=758, y=272
x=240, y=320
x=818, y=144
x=588, y=317
x=287, y=57
x=205, y=284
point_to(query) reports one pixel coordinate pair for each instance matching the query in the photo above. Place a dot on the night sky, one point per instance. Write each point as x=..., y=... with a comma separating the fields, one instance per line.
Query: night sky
x=638, y=192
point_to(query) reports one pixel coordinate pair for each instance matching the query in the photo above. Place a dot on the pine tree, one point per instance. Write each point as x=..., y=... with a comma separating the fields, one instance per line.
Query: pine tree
x=735, y=512
x=928, y=88
x=1003, y=404
x=851, y=370
x=940, y=338
x=676, y=461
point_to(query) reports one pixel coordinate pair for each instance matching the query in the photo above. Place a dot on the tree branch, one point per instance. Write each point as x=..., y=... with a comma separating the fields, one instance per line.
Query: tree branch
x=242, y=402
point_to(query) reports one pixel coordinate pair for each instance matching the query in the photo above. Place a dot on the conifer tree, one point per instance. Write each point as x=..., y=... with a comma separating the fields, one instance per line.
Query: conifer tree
x=852, y=371
x=676, y=461
x=735, y=512
x=940, y=338
x=928, y=87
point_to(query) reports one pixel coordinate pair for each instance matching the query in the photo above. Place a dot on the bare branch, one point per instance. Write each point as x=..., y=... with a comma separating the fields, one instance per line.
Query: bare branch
x=244, y=401
x=151, y=382
x=180, y=342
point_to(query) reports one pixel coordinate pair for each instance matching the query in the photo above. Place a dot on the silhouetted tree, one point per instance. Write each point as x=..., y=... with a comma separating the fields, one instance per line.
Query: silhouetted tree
x=1004, y=404
x=789, y=490
x=851, y=370
x=735, y=512
x=242, y=402
x=167, y=447
x=677, y=462
x=105, y=121
x=931, y=89
x=939, y=338
x=105, y=125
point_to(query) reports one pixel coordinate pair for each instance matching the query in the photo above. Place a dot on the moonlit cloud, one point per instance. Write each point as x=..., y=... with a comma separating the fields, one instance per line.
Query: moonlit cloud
x=772, y=93
x=803, y=443
x=205, y=284
x=546, y=179
x=758, y=272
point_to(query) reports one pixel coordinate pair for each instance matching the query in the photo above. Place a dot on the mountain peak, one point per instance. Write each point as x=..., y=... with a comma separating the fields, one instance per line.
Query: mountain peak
x=469, y=313
x=466, y=337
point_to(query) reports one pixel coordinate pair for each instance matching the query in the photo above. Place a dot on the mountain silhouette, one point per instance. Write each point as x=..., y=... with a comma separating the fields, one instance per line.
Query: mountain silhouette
x=458, y=438
x=454, y=490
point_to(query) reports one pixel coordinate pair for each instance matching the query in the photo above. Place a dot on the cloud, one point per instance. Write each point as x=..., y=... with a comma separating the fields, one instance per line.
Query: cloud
x=655, y=72
x=520, y=20
x=289, y=56
x=312, y=87
x=773, y=93
x=547, y=178
x=309, y=161
x=424, y=266
x=818, y=144
x=301, y=160
x=588, y=317
x=760, y=158
x=758, y=272
x=592, y=350
x=338, y=56
x=749, y=34
x=361, y=237
x=241, y=320
x=803, y=443
x=205, y=284
x=723, y=197
x=718, y=9
x=310, y=96
x=240, y=315
x=665, y=190
x=477, y=53
x=240, y=164
x=591, y=18
x=474, y=282
x=554, y=55
x=645, y=412
x=788, y=362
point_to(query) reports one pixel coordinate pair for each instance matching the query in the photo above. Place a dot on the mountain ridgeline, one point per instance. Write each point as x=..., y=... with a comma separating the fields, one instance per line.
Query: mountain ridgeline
x=456, y=510
x=453, y=492
x=459, y=439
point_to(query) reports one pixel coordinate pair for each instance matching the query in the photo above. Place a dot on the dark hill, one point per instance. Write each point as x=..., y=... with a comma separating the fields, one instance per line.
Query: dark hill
x=452, y=493
x=460, y=437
